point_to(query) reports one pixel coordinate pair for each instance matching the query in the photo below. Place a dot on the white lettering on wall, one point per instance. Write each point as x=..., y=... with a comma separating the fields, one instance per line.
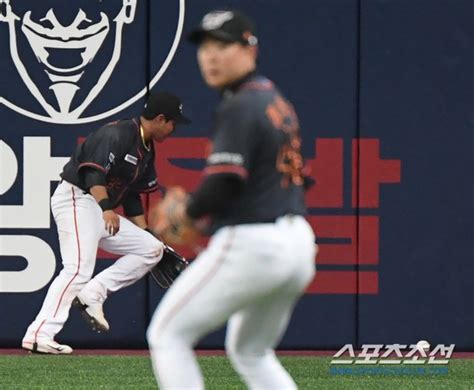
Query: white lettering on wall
x=41, y=263
x=39, y=169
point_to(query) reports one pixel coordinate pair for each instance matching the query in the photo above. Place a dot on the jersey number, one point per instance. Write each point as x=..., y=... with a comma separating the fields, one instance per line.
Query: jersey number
x=289, y=160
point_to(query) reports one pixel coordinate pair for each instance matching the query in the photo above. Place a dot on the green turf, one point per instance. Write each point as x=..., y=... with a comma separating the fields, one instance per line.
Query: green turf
x=132, y=372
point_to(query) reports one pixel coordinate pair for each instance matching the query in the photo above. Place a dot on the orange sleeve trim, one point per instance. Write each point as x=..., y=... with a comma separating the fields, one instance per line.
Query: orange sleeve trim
x=215, y=169
x=151, y=189
x=93, y=165
x=258, y=85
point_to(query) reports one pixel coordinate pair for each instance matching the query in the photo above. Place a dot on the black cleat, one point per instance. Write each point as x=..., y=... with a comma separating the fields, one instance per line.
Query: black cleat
x=93, y=315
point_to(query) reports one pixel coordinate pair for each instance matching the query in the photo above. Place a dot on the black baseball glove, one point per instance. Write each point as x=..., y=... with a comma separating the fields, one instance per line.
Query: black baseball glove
x=169, y=267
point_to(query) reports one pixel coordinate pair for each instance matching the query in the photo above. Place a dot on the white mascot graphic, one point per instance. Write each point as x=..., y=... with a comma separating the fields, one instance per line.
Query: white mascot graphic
x=48, y=34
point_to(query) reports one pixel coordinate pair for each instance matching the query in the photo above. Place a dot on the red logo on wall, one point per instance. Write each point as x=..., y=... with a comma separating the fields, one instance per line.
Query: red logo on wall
x=348, y=241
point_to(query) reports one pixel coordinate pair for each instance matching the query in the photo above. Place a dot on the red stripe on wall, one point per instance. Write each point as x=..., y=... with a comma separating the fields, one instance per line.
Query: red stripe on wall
x=344, y=282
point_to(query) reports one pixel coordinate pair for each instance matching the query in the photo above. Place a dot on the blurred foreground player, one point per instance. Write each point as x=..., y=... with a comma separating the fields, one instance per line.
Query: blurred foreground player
x=261, y=254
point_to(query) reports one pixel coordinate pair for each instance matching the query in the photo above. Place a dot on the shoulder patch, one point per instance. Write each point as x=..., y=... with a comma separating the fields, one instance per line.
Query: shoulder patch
x=131, y=159
x=225, y=158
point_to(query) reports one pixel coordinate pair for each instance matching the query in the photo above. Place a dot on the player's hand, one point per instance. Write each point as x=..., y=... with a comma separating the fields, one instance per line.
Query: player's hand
x=172, y=224
x=112, y=222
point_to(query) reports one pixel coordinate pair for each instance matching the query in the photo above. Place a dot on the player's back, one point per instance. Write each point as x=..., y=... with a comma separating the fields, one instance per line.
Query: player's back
x=258, y=128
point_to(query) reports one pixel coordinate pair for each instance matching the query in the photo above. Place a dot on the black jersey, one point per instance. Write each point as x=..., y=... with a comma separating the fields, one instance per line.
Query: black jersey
x=257, y=138
x=116, y=151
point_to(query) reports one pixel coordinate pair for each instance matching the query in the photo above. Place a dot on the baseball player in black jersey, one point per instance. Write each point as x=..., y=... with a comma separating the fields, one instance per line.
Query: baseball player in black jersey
x=112, y=167
x=261, y=254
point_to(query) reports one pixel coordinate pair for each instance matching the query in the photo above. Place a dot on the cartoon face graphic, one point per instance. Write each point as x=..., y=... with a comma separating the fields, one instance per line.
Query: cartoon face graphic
x=66, y=42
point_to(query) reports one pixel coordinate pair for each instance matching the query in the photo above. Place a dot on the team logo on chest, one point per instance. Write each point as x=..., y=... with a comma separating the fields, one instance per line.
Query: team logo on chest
x=74, y=61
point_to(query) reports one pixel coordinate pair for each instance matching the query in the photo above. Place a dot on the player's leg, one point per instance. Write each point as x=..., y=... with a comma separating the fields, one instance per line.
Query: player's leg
x=252, y=335
x=254, y=332
x=236, y=268
x=77, y=219
x=196, y=304
x=140, y=250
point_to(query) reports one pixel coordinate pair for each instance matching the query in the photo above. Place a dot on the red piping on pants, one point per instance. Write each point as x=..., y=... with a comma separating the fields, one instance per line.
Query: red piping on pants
x=78, y=252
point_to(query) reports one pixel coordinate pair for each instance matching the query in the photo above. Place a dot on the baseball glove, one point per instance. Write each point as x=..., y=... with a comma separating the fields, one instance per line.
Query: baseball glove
x=169, y=267
x=171, y=223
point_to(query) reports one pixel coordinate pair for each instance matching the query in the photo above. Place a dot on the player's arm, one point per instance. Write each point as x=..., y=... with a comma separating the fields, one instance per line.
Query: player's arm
x=133, y=209
x=140, y=221
x=111, y=219
x=227, y=166
x=214, y=195
x=132, y=204
x=100, y=149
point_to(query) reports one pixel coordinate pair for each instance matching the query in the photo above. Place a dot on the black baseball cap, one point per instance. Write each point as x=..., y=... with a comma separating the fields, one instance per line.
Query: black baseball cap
x=167, y=104
x=225, y=25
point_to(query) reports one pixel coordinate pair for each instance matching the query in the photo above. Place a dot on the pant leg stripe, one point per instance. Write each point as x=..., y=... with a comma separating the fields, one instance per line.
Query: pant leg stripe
x=78, y=252
x=37, y=330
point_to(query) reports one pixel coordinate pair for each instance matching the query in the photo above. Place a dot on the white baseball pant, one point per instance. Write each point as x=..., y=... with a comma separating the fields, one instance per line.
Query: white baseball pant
x=81, y=231
x=251, y=275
